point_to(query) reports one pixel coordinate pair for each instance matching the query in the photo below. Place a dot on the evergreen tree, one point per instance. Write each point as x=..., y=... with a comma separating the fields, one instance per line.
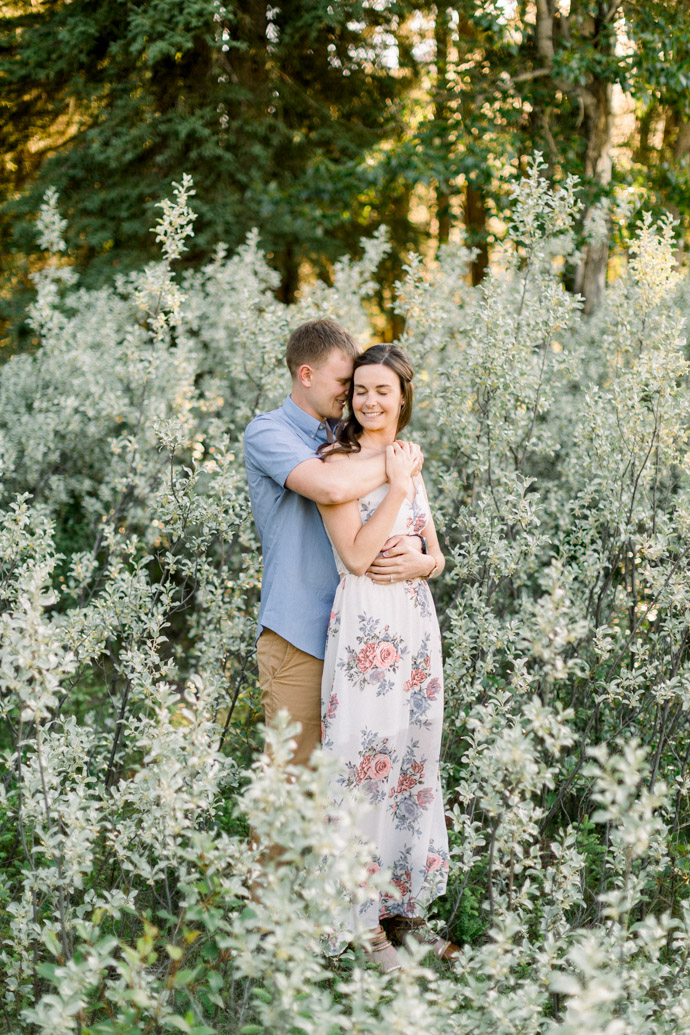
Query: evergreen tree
x=541, y=76
x=272, y=111
x=317, y=121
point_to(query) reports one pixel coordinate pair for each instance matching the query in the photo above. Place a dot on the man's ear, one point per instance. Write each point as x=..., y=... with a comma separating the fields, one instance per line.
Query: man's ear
x=305, y=374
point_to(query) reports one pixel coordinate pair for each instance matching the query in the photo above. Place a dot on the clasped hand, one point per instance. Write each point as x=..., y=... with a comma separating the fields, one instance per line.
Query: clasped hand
x=403, y=462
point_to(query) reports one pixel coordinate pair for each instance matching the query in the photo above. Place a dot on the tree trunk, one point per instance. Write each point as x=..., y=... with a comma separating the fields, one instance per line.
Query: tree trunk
x=642, y=151
x=544, y=30
x=400, y=228
x=443, y=215
x=682, y=145
x=595, y=97
x=475, y=221
x=289, y=275
x=590, y=278
x=442, y=37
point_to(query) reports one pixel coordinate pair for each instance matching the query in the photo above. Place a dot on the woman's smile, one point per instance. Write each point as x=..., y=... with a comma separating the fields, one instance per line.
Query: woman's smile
x=376, y=397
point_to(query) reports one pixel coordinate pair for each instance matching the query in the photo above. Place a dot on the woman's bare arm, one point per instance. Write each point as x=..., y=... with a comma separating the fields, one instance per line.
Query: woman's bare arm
x=357, y=543
x=402, y=556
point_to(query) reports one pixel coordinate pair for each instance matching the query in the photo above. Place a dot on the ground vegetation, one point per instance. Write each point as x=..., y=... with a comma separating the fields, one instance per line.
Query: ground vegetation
x=556, y=452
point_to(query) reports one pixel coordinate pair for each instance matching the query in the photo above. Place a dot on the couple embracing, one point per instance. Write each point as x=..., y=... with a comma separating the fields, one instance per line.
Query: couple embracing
x=348, y=638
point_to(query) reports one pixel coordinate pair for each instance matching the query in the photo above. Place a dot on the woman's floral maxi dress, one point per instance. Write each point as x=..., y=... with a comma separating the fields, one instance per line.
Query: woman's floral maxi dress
x=382, y=713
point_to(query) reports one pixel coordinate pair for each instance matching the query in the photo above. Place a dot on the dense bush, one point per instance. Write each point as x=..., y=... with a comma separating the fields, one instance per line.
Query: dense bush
x=557, y=458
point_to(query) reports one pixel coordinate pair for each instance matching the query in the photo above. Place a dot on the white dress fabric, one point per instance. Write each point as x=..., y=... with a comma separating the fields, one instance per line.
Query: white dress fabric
x=382, y=715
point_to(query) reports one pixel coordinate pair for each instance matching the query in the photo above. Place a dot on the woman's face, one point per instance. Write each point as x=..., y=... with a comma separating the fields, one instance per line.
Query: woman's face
x=377, y=397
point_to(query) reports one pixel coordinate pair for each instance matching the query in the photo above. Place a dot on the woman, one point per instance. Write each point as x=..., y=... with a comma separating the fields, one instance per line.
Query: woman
x=382, y=697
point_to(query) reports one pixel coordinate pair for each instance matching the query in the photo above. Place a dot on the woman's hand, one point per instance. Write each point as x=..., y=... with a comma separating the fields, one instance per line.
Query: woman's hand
x=401, y=464
x=417, y=451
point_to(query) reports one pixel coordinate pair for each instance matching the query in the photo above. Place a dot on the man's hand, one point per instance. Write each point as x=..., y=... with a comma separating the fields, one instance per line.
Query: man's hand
x=402, y=558
x=419, y=455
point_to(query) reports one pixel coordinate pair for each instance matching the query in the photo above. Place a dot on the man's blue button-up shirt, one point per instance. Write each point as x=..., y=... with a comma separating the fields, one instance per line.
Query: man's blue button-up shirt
x=300, y=577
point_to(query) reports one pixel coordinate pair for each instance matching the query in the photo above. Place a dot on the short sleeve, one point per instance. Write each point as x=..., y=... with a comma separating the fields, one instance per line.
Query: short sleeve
x=272, y=449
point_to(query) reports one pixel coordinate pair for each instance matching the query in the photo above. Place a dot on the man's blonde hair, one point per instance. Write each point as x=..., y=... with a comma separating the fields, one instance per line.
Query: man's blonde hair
x=313, y=341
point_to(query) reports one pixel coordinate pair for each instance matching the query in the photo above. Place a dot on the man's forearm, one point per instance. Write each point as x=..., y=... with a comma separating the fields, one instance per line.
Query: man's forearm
x=402, y=558
x=331, y=483
x=359, y=475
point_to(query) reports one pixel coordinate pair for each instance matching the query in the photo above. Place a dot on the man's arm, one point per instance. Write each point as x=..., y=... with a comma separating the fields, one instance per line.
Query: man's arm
x=329, y=484
x=289, y=461
x=402, y=558
x=349, y=479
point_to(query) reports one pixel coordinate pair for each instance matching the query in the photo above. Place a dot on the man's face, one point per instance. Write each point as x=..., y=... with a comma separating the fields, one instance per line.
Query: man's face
x=330, y=382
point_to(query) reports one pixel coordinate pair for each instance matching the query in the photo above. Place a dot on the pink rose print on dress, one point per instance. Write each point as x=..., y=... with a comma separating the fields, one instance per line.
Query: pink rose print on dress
x=433, y=862
x=433, y=689
x=365, y=658
x=403, y=883
x=416, y=679
x=373, y=767
x=372, y=868
x=425, y=797
x=332, y=706
x=363, y=769
x=385, y=655
x=402, y=887
x=380, y=767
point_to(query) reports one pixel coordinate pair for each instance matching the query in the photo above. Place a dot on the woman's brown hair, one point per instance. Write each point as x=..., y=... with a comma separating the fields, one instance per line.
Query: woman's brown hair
x=348, y=434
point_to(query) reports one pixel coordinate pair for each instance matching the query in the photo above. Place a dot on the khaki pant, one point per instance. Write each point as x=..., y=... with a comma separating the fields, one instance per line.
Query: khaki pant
x=291, y=679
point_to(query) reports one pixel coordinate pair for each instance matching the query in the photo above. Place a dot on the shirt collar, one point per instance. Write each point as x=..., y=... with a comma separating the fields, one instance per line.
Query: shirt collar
x=311, y=425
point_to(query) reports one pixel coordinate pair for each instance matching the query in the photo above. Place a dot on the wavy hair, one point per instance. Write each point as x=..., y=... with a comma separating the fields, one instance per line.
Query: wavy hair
x=392, y=356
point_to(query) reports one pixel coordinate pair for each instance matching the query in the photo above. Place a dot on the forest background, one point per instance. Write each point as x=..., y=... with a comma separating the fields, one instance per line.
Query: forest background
x=318, y=122
x=503, y=187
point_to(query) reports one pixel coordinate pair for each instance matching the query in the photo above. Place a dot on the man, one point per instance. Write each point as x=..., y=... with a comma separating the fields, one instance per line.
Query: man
x=286, y=479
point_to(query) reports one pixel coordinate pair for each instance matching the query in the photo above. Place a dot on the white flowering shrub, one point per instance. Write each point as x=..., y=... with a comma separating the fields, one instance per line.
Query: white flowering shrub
x=134, y=896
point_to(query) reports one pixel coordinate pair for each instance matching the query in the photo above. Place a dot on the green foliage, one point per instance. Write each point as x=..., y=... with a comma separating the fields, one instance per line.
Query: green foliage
x=128, y=94
x=317, y=121
x=556, y=458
